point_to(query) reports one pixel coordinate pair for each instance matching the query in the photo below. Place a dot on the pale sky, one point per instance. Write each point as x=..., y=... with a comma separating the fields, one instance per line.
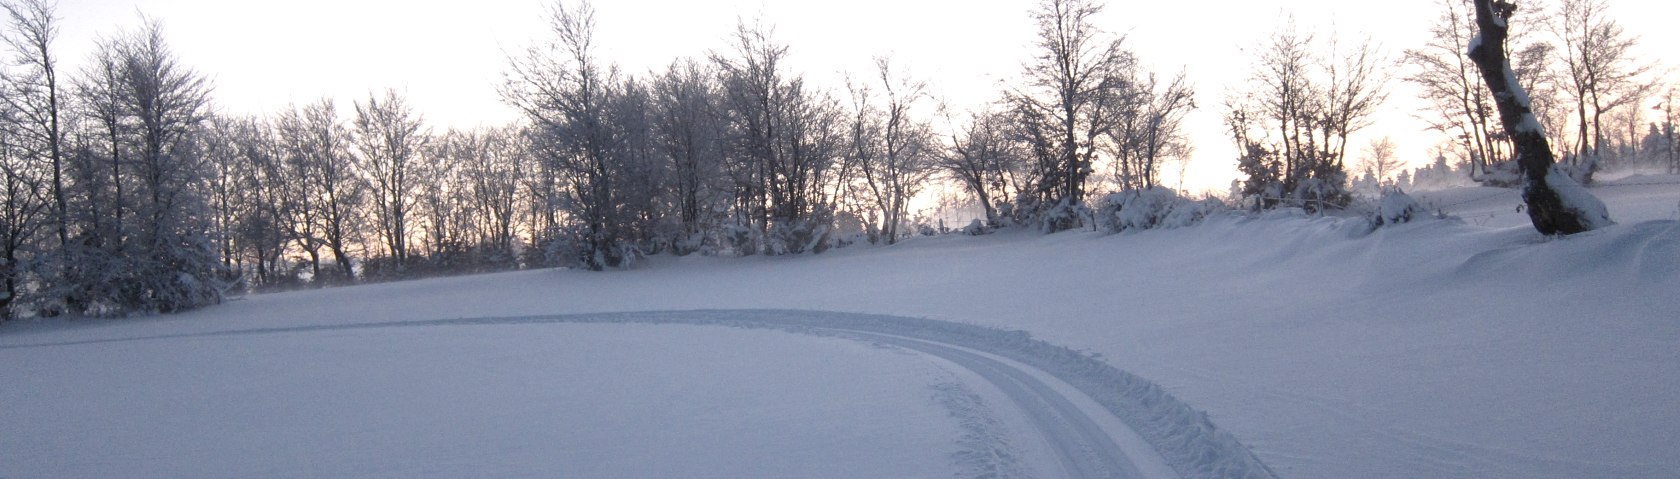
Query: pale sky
x=448, y=57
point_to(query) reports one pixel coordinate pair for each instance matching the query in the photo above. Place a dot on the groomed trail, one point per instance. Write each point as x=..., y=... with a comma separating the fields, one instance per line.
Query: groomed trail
x=1082, y=446
x=1166, y=438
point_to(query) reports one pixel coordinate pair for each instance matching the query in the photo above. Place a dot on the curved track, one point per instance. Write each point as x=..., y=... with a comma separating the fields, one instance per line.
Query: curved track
x=1161, y=441
x=1082, y=446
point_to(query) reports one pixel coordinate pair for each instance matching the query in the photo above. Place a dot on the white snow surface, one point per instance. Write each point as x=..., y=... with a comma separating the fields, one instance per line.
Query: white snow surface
x=462, y=401
x=1467, y=348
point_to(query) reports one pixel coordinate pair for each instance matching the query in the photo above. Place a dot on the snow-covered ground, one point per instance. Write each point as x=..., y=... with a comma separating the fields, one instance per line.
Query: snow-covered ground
x=461, y=401
x=1468, y=347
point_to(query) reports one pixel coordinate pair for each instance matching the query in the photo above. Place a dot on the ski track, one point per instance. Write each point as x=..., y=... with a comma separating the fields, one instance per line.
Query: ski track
x=1081, y=445
x=1185, y=443
x=986, y=450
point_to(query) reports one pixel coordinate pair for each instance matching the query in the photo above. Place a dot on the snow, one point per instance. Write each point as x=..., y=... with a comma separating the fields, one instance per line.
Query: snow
x=463, y=401
x=1529, y=122
x=1464, y=348
x=1576, y=197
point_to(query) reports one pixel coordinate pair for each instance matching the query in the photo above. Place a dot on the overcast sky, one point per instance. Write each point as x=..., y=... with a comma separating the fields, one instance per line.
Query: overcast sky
x=448, y=57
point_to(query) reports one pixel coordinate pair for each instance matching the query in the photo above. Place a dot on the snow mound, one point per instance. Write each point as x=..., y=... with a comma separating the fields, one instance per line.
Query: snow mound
x=1646, y=253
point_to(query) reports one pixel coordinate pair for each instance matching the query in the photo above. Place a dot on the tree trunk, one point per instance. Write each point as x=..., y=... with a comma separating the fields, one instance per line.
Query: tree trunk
x=1551, y=213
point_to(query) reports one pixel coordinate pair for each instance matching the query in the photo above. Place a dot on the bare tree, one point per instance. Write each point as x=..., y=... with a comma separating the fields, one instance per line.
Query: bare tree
x=1148, y=128
x=639, y=164
x=1671, y=154
x=494, y=175
x=1301, y=115
x=25, y=213
x=1556, y=204
x=983, y=157
x=590, y=126
x=784, y=143
x=330, y=190
x=1380, y=161
x=445, y=219
x=389, y=137
x=100, y=176
x=260, y=231
x=1599, y=72
x=34, y=93
x=224, y=172
x=1072, y=85
x=1458, y=104
x=892, y=149
x=565, y=91
x=689, y=128
x=158, y=257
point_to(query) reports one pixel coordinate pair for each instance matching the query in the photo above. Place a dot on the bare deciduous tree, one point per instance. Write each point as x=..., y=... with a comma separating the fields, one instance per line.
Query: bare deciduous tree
x=1552, y=211
x=1148, y=129
x=1072, y=86
x=1458, y=104
x=389, y=137
x=1380, y=162
x=1301, y=114
x=445, y=221
x=142, y=240
x=983, y=156
x=26, y=212
x=892, y=148
x=1599, y=72
x=495, y=175
x=260, y=231
x=329, y=188
x=33, y=95
x=563, y=89
x=784, y=143
x=688, y=127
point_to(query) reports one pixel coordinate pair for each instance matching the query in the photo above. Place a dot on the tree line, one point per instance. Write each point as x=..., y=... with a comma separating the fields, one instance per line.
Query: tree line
x=127, y=193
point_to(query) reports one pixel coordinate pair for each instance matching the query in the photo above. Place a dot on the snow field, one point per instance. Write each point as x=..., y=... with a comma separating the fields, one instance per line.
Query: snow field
x=573, y=400
x=1458, y=348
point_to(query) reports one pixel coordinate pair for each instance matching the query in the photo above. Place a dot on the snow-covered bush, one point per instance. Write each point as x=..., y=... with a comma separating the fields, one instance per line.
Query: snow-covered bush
x=1064, y=216
x=1578, y=168
x=925, y=229
x=1503, y=174
x=1396, y=207
x=1319, y=194
x=798, y=237
x=976, y=228
x=1149, y=209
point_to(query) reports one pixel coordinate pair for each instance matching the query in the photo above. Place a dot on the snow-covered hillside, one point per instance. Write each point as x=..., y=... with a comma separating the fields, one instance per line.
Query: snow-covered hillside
x=1470, y=347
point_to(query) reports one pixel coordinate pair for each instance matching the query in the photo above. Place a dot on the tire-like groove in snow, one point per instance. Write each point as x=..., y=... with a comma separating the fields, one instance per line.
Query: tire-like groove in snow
x=1185, y=439
x=1084, y=449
